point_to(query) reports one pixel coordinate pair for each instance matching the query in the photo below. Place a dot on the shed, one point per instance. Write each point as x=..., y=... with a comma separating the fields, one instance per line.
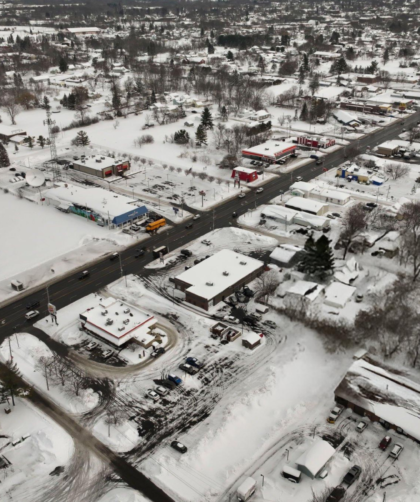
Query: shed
x=313, y=460
x=251, y=340
x=338, y=294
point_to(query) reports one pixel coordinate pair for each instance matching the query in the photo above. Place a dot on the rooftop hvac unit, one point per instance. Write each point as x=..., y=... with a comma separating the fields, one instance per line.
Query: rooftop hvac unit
x=103, y=158
x=242, y=262
x=209, y=284
x=105, y=312
x=126, y=322
x=109, y=322
x=122, y=328
x=126, y=311
x=98, y=161
x=226, y=273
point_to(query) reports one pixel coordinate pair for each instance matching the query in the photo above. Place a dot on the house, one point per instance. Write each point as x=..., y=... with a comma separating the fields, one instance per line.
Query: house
x=289, y=216
x=244, y=174
x=346, y=118
x=347, y=273
x=270, y=151
x=84, y=31
x=117, y=322
x=8, y=132
x=304, y=290
x=307, y=206
x=285, y=255
x=260, y=116
x=251, y=340
x=214, y=279
x=224, y=332
x=338, y=294
x=325, y=56
x=313, y=460
x=383, y=394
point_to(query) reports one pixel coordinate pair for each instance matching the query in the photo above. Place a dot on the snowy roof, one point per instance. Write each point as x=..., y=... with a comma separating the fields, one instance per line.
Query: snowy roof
x=270, y=148
x=103, y=202
x=303, y=185
x=244, y=170
x=83, y=30
x=222, y=270
x=285, y=252
x=307, y=289
x=338, y=294
x=279, y=212
x=331, y=194
x=348, y=272
x=251, y=337
x=116, y=321
x=345, y=117
x=302, y=204
x=98, y=162
x=315, y=457
x=384, y=391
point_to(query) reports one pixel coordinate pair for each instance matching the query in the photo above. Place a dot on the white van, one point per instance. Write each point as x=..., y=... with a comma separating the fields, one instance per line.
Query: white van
x=246, y=490
x=291, y=474
x=261, y=309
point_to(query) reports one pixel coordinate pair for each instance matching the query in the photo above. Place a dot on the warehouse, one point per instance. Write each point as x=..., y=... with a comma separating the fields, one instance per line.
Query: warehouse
x=307, y=206
x=117, y=322
x=100, y=166
x=381, y=393
x=217, y=277
x=270, y=151
x=95, y=204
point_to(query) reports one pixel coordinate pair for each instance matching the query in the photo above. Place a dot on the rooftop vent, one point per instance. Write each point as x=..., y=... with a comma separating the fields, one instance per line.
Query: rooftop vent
x=126, y=311
x=226, y=273
x=105, y=312
x=126, y=321
x=209, y=284
x=122, y=328
x=109, y=322
x=242, y=262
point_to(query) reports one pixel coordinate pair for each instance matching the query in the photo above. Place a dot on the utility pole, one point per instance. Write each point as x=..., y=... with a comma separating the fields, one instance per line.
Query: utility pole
x=10, y=350
x=50, y=123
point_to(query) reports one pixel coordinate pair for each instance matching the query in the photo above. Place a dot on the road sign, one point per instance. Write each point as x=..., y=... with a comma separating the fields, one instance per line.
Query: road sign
x=52, y=309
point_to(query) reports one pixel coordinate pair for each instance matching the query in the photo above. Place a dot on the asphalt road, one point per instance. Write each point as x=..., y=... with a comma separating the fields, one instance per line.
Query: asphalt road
x=70, y=288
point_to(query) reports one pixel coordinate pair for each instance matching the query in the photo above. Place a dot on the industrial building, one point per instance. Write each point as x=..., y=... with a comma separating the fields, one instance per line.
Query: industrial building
x=381, y=393
x=96, y=204
x=217, y=277
x=117, y=322
x=270, y=151
x=100, y=166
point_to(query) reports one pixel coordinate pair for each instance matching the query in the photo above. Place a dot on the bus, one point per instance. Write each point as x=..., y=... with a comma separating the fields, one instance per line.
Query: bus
x=160, y=251
x=291, y=474
x=152, y=227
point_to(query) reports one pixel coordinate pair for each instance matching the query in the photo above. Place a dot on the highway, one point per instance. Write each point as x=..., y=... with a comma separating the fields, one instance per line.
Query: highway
x=70, y=288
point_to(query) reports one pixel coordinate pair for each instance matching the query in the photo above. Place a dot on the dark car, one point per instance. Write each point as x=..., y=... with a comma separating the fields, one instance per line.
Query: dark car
x=191, y=370
x=352, y=475
x=234, y=214
x=250, y=321
x=193, y=361
x=158, y=352
x=186, y=252
x=114, y=256
x=248, y=292
x=84, y=275
x=386, y=441
x=138, y=253
x=336, y=495
x=33, y=304
x=176, y=445
x=189, y=225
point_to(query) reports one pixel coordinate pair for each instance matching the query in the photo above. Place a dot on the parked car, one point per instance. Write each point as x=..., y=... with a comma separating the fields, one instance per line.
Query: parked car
x=359, y=298
x=231, y=300
x=361, y=426
x=352, y=475
x=158, y=352
x=260, y=190
x=241, y=195
x=174, y=379
x=248, y=292
x=240, y=297
x=206, y=242
x=196, y=217
x=337, y=215
x=33, y=304
x=232, y=319
x=256, y=316
x=91, y=345
x=186, y=252
x=176, y=445
x=106, y=354
x=191, y=370
x=337, y=494
x=270, y=324
x=386, y=441
x=395, y=452
x=193, y=361
x=31, y=314
x=162, y=391
x=153, y=395
x=335, y=413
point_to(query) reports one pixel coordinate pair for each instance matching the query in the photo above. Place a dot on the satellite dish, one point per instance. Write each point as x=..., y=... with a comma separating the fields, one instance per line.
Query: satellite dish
x=35, y=178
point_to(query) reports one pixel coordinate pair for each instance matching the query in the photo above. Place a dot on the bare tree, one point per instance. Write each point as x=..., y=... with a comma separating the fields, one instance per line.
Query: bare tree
x=45, y=365
x=396, y=170
x=11, y=106
x=266, y=284
x=410, y=237
x=114, y=416
x=353, y=224
x=76, y=381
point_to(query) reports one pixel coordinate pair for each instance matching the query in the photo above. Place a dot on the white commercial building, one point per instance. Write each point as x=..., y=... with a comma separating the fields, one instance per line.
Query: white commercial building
x=117, y=322
x=307, y=205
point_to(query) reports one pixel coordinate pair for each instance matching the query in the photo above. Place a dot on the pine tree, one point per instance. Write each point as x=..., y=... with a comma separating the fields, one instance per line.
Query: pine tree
x=317, y=257
x=304, y=112
x=41, y=141
x=65, y=101
x=206, y=119
x=4, y=157
x=301, y=76
x=201, y=136
x=63, y=65
x=81, y=139
x=181, y=137
x=230, y=55
x=30, y=142
x=314, y=83
x=224, y=113
x=305, y=62
x=153, y=98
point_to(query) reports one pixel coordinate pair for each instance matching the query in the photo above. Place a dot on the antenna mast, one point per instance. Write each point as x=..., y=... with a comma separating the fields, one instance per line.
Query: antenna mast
x=50, y=123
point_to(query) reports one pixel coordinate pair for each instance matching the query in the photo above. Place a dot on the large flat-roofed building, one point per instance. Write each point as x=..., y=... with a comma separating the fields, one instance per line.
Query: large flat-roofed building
x=117, y=322
x=214, y=279
x=270, y=151
x=307, y=205
x=103, y=167
x=91, y=30
x=383, y=394
x=96, y=204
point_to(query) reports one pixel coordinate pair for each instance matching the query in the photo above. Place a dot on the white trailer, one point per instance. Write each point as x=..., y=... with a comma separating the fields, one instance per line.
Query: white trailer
x=246, y=489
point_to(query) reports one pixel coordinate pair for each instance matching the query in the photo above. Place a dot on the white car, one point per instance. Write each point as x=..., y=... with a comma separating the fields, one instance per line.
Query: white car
x=259, y=190
x=106, y=354
x=153, y=395
x=299, y=178
x=196, y=217
x=91, y=345
x=241, y=195
x=231, y=319
x=31, y=314
x=361, y=426
x=162, y=391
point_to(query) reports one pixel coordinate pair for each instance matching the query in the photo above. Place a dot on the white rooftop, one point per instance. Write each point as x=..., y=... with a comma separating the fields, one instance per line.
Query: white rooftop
x=315, y=457
x=117, y=321
x=98, y=162
x=338, y=294
x=270, y=148
x=222, y=270
x=303, y=204
x=307, y=289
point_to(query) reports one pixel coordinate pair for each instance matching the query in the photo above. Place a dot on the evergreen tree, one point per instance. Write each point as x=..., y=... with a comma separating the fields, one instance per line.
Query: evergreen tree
x=4, y=157
x=63, y=65
x=317, y=257
x=65, y=101
x=305, y=62
x=30, y=142
x=301, y=76
x=230, y=55
x=81, y=139
x=314, y=83
x=206, y=119
x=201, y=136
x=339, y=66
x=153, y=98
x=224, y=113
x=181, y=137
x=71, y=101
x=304, y=112
x=41, y=141
x=386, y=55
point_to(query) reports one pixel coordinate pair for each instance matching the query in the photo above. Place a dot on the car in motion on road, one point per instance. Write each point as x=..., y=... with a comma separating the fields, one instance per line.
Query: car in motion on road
x=352, y=475
x=31, y=314
x=361, y=426
x=386, y=441
x=241, y=195
x=191, y=370
x=158, y=352
x=176, y=445
x=337, y=494
x=84, y=275
x=299, y=178
x=33, y=304
x=196, y=217
x=259, y=190
x=138, y=253
x=335, y=413
x=152, y=395
x=189, y=225
x=114, y=256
